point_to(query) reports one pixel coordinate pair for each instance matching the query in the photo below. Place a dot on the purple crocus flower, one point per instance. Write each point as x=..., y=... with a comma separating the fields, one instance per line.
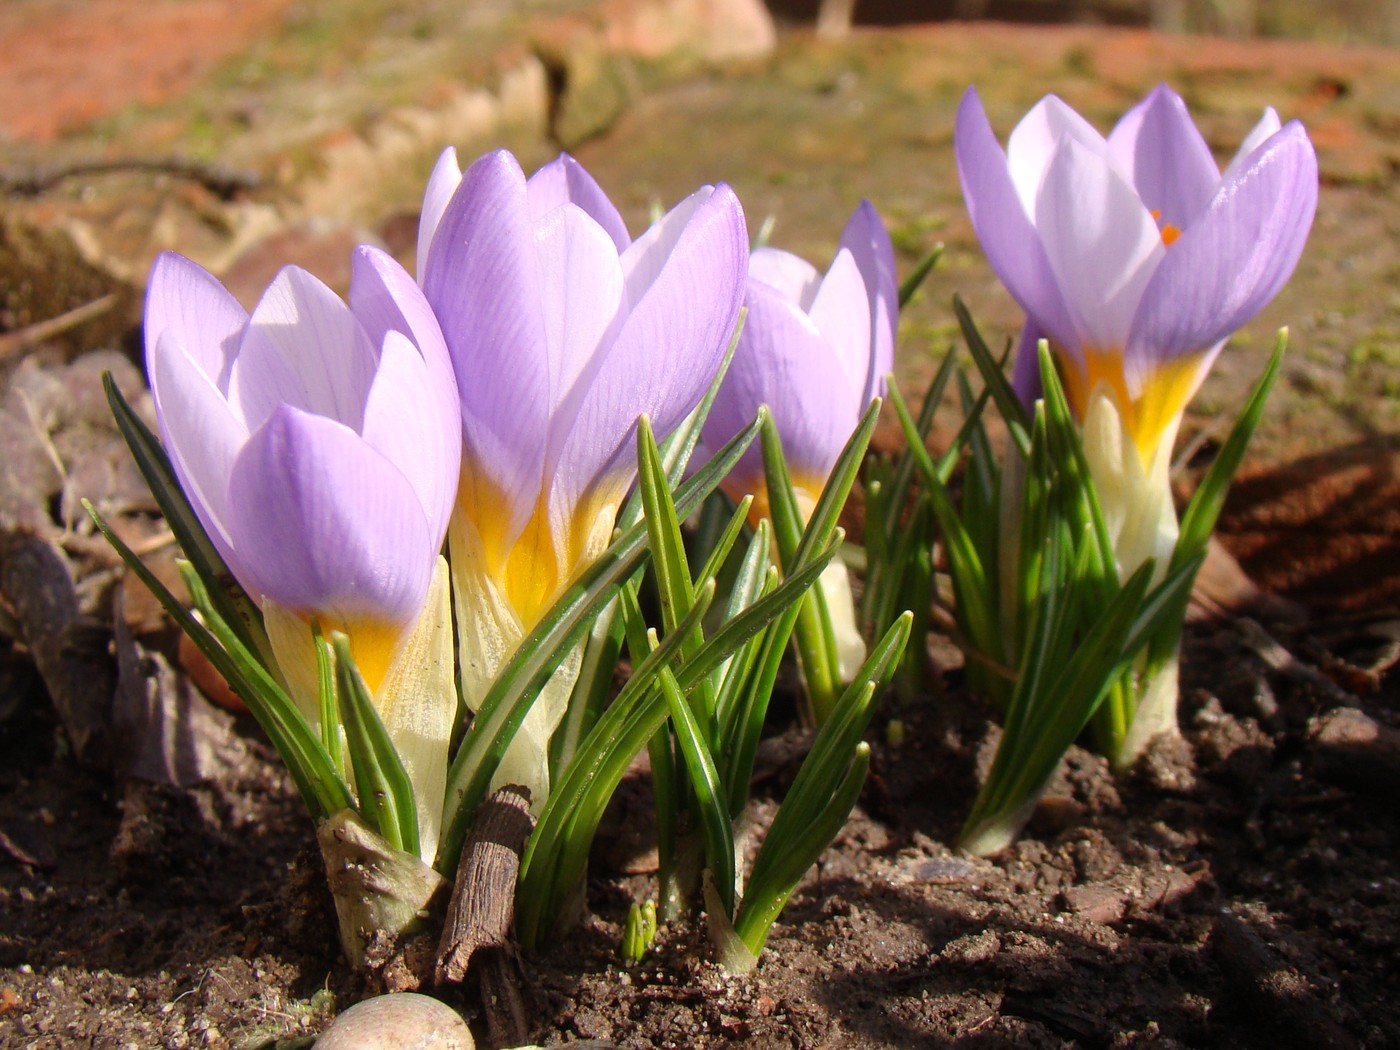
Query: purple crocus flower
x=815, y=349
x=562, y=331
x=1135, y=258
x=319, y=445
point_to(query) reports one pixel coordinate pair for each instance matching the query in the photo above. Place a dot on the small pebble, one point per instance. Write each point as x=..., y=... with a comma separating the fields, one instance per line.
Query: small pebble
x=404, y=1021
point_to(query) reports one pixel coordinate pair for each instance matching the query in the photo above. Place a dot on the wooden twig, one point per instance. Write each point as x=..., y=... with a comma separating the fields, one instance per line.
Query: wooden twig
x=30, y=336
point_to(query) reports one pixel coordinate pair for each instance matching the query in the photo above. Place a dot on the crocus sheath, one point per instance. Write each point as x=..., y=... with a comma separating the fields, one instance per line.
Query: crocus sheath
x=815, y=348
x=562, y=331
x=1136, y=258
x=318, y=444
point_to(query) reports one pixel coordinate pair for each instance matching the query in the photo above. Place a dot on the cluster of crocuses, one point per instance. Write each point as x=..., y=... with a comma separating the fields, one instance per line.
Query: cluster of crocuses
x=331, y=451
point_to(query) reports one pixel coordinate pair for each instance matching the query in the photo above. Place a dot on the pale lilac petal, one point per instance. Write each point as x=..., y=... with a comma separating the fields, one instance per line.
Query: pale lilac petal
x=869, y=242
x=645, y=257
x=427, y=452
x=667, y=351
x=1227, y=266
x=1003, y=225
x=792, y=275
x=841, y=314
x=202, y=436
x=579, y=266
x=1101, y=242
x=1158, y=148
x=783, y=361
x=386, y=300
x=326, y=524
x=1267, y=127
x=564, y=181
x=442, y=184
x=1036, y=138
x=483, y=282
x=302, y=347
x=185, y=299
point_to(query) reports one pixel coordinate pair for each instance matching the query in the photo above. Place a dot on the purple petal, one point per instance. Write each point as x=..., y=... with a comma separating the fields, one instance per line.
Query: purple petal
x=1025, y=369
x=1101, y=242
x=442, y=184
x=302, y=347
x=1157, y=146
x=1035, y=140
x=185, y=299
x=327, y=525
x=202, y=436
x=386, y=301
x=667, y=350
x=1004, y=227
x=564, y=181
x=1225, y=268
x=1267, y=127
x=483, y=282
x=425, y=445
x=579, y=265
x=793, y=276
x=869, y=243
x=783, y=361
x=841, y=314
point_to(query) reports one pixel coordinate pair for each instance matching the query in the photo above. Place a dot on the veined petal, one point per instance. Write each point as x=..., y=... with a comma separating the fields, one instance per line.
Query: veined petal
x=869, y=243
x=184, y=298
x=792, y=275
x=1101, y=242
x=302, y=347
x=327, y=525
x=442, y=184
x=783, y=361
x=668, y=348
x=1158, y=148
x=1267, y=127
x=483, y=282
x=201, y=434
x=1227, y=266
x=841, y=314
x=579, y=265
x=1004, y=225
x=1035, y=140
x=1025, y=368
x=386, y=300
x=564, y=181
x=426, y=448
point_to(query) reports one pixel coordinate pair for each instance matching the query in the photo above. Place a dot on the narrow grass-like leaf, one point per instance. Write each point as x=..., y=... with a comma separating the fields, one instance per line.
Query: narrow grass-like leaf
x=712, y=807
x=381, y=782
x=916, y=277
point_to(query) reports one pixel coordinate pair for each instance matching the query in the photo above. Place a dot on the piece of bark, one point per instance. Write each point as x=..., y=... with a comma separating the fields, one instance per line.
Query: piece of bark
x=1351, y=748
x=70, y=653
x=482, y=907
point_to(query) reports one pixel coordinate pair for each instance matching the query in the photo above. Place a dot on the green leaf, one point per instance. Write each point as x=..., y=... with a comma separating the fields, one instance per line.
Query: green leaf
x=385, y=792
x=916, y=277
